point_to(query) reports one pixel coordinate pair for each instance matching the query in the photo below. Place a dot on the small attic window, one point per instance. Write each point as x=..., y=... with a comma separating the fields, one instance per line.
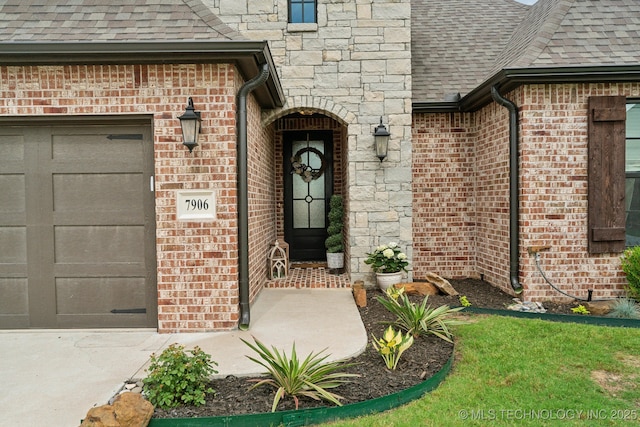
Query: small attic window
x=302, y=11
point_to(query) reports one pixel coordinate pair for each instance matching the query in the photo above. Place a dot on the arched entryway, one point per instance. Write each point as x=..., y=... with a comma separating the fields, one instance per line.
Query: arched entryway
x=310, y=152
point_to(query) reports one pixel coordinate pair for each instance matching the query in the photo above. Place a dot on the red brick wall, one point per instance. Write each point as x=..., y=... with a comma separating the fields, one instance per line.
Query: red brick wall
x=262, y=198
x=492, y=192
x=444, y=221
x=554, y=192
x=196, y=262
x=461, y=221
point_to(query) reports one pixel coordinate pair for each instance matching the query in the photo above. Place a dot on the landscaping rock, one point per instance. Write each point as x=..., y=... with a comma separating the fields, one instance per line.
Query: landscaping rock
x=418, y=288
x=360, y=293
x=127, y=410
x=442, y=284
x=599, y=308
x=526, y=306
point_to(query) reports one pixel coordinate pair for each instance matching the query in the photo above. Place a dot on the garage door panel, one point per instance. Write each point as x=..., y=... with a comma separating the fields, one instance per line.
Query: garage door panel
x=101, y=147
x=99, y=244
x=92, y=295
x=113, y=193
x=13, y=245
x=103, y=269
x=12, y=148
x=15, y=299
x=12, y=194
x=77, y=226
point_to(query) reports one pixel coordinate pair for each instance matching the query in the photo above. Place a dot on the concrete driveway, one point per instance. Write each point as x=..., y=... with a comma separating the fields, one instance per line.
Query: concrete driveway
x=53, y=377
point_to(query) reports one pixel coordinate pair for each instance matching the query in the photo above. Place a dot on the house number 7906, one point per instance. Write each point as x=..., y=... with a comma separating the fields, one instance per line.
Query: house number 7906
x=197, y=204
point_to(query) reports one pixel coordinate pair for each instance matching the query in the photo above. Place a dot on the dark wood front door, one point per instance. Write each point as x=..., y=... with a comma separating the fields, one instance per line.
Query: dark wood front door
x=308, y=184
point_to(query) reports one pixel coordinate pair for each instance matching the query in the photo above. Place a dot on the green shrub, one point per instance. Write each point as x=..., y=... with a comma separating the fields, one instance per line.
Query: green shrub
x=630, y=262
x=176, y=377
x=334, y=241
x=293, y=377
x=420, y=320
x=625, y=308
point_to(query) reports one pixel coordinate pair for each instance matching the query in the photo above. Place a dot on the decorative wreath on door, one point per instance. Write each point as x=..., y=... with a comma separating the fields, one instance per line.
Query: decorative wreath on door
x=307, y=173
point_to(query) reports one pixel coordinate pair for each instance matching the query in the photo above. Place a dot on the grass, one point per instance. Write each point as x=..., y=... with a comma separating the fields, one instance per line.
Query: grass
x=527, y=372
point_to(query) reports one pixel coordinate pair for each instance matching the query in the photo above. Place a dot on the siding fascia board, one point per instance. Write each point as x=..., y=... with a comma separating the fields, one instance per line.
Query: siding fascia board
x=248, y=56
x=509, y=79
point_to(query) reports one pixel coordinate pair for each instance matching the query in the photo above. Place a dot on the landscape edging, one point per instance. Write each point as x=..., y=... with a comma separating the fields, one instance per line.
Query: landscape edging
x=584, y=319
x=305, y=417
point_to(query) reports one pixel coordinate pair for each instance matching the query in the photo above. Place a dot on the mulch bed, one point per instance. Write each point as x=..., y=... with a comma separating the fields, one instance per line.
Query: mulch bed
x=425, y=357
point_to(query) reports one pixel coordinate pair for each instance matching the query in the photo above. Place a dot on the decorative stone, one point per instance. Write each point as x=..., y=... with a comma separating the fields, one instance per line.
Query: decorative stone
x=599, y=308
x=526, y=306
x=418, y=288
x=442, y=284
x=360, y=293
x=100, y=416
x=127, y=410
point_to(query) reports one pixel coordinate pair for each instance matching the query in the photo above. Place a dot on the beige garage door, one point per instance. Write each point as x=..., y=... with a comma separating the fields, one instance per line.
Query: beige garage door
x=77, y=247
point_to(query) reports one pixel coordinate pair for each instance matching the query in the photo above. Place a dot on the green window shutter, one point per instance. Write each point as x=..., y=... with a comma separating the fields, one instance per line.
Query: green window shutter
x=607, y=116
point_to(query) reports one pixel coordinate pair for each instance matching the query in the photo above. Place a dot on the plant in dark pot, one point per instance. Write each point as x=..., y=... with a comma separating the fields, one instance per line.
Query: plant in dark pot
x=334, y=242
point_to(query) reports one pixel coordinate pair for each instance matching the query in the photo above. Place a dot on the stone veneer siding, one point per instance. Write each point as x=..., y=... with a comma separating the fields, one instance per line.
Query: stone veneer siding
x=461, y=193
x=353, y=66
x=197, y=265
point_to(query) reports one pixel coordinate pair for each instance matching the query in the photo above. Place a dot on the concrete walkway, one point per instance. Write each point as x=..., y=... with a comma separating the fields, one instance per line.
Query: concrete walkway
x=53, y=377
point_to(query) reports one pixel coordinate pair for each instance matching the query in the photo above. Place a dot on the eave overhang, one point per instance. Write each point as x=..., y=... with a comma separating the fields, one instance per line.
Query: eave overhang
x=510, y=78
x=247, y=56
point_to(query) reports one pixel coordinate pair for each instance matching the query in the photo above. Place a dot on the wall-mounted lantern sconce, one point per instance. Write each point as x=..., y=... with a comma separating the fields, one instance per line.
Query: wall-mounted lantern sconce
x=190, y=122
x=381, y=136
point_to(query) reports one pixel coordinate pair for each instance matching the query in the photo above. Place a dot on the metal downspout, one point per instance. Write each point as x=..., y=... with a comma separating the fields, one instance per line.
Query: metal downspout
x=514, y=188
x=243, y=195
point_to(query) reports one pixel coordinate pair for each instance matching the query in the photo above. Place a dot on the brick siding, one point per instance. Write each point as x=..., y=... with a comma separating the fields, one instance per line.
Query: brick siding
x=196, y=262
x=461, y=193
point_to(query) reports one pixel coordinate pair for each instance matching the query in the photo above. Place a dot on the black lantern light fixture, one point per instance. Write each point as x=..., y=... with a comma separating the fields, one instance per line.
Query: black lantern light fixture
x=190, y=122
x=381, y=136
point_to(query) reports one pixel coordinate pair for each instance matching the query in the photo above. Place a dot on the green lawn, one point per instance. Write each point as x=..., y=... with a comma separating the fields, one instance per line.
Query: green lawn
x=527, y=372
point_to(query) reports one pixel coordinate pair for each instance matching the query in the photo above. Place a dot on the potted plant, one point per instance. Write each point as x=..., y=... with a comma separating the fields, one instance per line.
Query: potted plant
x=388, y=262
x=334, y=242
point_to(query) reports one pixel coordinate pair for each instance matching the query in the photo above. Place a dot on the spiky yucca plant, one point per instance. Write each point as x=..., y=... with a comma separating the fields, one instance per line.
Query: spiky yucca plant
x=290, y=376
x=420, y=319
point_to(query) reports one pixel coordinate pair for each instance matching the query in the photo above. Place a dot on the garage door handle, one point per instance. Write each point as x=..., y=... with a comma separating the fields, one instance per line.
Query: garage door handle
x=151, y=183
x=129, y=311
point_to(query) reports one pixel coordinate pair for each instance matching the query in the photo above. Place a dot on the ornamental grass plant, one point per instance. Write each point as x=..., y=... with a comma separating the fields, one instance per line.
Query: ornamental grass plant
x=291, y=376
x=421, y=319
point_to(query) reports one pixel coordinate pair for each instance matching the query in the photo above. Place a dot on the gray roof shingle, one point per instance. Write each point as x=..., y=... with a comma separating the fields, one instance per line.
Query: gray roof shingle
x=455, y=43
x=575, y=33
x=113, y=20
x=459, y=44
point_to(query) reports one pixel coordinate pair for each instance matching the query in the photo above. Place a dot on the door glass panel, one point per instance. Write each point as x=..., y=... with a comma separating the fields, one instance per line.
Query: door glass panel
x=308, y=166
x=300, y=214
x=316, y=214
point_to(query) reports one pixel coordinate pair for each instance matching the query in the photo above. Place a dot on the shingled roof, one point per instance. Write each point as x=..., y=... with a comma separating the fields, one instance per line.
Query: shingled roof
x=456, y=42
x=112, y=20
x=43, y=32
x=460, y=45
x=575, y=33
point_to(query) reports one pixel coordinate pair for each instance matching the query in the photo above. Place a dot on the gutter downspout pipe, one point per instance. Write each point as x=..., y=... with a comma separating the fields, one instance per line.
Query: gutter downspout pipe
x=514, y=188
x=243, y=194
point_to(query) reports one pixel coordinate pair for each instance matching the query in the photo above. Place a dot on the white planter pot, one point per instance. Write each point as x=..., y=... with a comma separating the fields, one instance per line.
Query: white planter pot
x=335, y=260
x=385, y=280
